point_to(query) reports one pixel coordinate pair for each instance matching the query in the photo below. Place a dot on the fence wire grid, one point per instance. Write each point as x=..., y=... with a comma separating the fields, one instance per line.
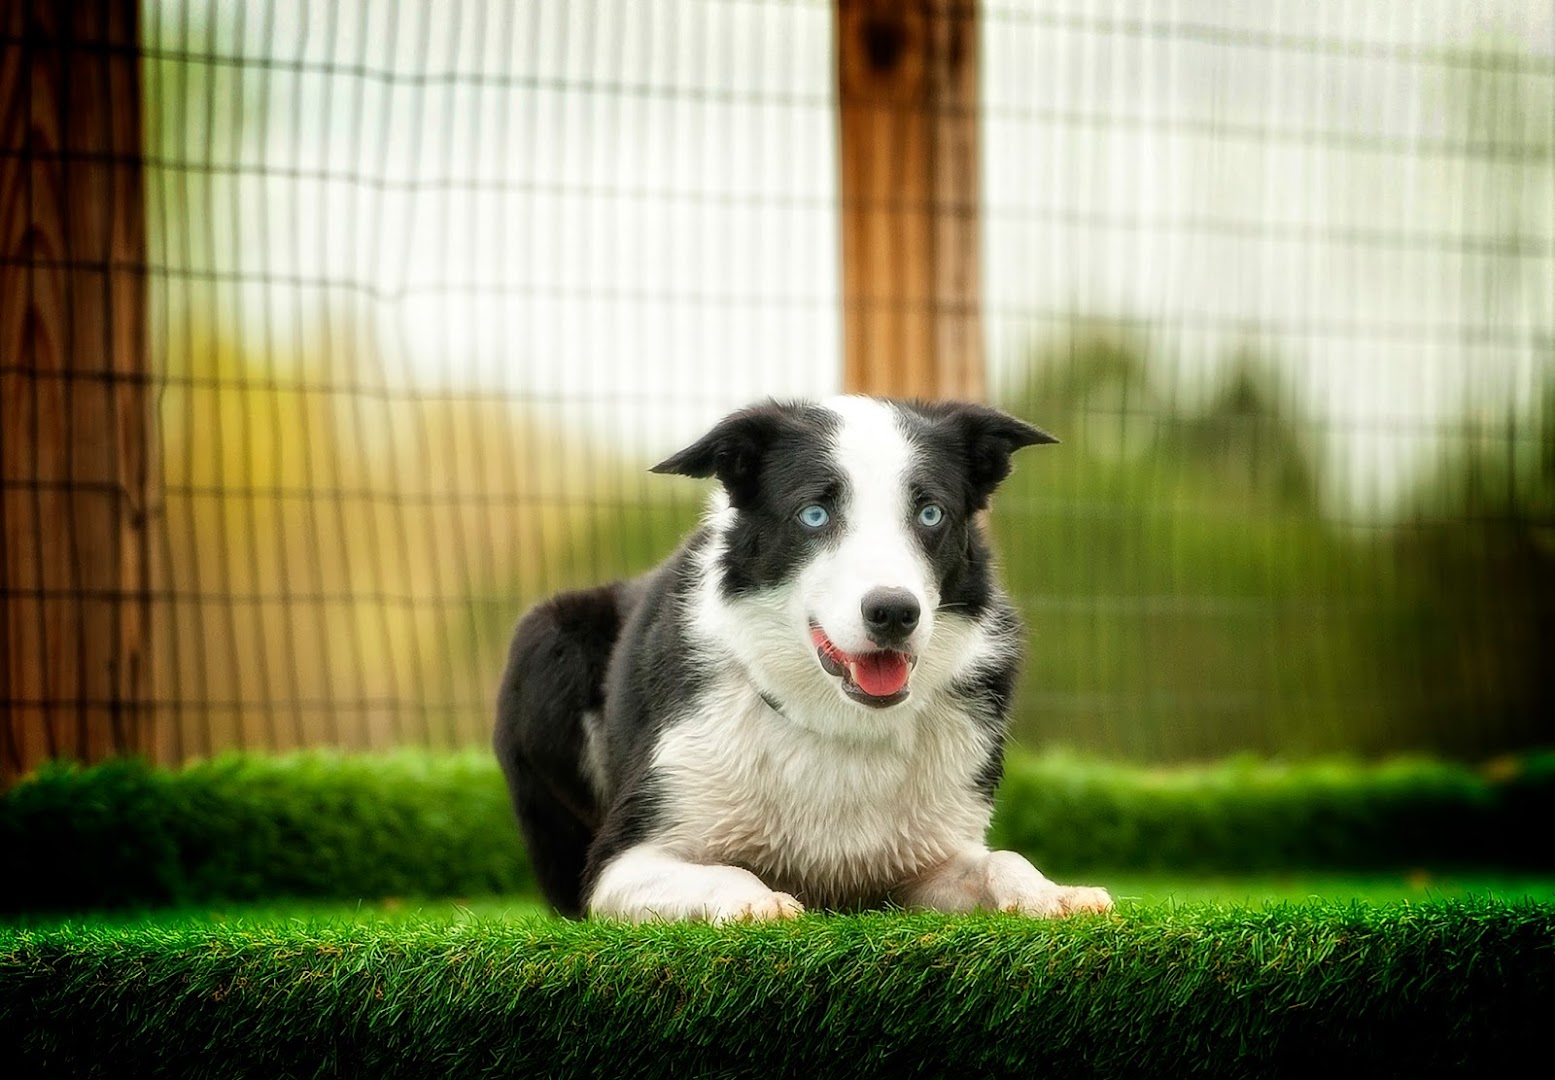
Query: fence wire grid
x=429, y=284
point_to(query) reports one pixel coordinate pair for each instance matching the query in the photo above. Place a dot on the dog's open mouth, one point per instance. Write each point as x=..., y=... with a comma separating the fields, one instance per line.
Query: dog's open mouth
x=877, y=679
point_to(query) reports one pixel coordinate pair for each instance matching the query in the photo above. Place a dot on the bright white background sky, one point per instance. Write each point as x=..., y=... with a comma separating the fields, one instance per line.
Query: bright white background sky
x=623, y=212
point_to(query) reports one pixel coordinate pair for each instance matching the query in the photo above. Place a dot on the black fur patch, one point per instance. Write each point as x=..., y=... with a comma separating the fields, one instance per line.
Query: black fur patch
x=991, y=692
x=555, y=675
x=617, y=651
x=974, y=438
x=771, y=460
x=961, y=453
x=651, y=678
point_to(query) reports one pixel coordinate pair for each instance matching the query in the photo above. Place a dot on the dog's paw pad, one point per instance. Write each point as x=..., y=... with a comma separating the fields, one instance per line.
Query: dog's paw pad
x=1083, y=898
x=768, y=908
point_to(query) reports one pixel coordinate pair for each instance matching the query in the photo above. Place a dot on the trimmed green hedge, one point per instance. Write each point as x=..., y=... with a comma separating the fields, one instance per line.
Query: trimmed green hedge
x=1402, y=989
x=420, y=824
x=1247, y=815
x=123, y=833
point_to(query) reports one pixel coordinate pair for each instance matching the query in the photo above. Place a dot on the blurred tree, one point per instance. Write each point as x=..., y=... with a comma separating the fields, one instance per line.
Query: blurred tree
x=1477, y=537
x=1248, y=438
x=325, y=531
x=1478, y=546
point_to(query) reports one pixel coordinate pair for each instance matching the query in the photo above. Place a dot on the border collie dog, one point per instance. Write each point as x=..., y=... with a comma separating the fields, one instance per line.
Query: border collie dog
x=805, y=705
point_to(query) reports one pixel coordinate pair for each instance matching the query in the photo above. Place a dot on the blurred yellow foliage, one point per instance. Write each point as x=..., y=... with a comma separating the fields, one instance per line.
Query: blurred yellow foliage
x=323, y=533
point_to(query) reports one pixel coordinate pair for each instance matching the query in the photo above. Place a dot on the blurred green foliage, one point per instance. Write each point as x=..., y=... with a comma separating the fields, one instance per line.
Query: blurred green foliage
x=1191, y=592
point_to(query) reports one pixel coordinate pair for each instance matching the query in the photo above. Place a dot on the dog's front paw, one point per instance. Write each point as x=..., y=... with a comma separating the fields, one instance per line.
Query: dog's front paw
x=1013, y=885
x=772, y=906
x=1076, y=899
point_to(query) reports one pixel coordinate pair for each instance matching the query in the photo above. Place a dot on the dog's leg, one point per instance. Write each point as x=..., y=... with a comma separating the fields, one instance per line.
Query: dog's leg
x=998, y=881
x=552, y=685
x=647, y=884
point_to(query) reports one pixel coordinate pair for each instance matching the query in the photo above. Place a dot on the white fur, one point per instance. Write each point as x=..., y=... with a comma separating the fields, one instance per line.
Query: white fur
x=877, y=549
x=815, y=811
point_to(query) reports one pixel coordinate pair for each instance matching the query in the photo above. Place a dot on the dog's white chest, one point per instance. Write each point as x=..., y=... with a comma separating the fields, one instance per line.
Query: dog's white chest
x=834, y=821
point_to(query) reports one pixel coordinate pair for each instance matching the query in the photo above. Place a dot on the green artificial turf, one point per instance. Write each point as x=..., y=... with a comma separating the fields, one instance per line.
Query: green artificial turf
x=439, y=824
x=1155, y=991
x=1136, y=893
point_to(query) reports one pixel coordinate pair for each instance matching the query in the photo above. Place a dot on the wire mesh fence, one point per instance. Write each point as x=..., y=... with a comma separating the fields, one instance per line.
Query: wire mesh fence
x=428, y=285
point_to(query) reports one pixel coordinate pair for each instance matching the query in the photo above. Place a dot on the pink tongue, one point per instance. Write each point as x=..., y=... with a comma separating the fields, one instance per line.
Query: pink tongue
x=881, y=674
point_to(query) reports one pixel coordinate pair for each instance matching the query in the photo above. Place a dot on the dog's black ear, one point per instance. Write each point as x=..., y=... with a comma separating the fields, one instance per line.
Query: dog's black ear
x=988, y=438
x=732, y=451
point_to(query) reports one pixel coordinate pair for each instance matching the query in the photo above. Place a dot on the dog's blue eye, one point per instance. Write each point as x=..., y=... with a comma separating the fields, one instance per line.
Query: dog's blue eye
x=931, y=515
x=814, y=516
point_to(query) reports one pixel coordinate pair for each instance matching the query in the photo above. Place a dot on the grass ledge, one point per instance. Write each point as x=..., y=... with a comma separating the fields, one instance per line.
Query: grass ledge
x=1421, y=988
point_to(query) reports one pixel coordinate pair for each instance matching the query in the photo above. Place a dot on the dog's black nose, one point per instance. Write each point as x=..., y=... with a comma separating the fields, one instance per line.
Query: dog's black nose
x=889, y=615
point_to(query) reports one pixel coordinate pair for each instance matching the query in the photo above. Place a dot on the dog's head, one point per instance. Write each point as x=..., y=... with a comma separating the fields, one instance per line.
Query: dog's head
x=850, y=535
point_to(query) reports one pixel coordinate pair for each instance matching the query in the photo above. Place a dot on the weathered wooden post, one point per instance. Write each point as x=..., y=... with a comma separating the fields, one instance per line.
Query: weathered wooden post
x=907, y=94
x=76, y=463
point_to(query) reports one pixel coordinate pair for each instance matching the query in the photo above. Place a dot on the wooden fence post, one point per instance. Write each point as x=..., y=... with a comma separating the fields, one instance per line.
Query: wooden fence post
x=76, y=463
x=907, y=95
